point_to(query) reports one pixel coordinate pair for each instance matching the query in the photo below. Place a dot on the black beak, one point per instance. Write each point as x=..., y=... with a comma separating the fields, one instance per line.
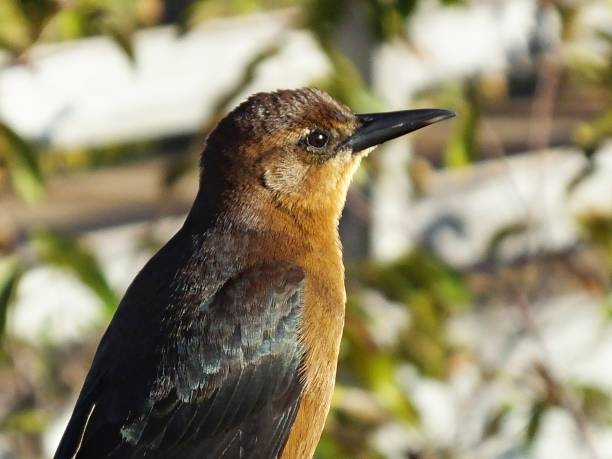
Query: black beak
x=377, y=128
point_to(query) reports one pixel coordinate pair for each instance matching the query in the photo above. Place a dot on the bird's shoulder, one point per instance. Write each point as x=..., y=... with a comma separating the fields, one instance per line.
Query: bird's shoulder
x=197, y=287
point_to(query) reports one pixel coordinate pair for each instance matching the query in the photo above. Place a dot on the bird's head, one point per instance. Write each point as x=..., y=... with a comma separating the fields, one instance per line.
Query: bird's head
x=299, y=148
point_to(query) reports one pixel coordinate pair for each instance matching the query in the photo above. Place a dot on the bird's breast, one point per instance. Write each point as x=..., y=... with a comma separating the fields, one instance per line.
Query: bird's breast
x=325, y=299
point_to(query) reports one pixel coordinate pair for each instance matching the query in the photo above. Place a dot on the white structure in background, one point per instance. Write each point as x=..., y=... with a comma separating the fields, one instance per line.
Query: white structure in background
x=87, y=92
x=448, y=43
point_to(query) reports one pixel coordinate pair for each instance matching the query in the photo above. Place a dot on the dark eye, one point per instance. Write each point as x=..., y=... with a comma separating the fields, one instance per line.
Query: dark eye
x=317, y=139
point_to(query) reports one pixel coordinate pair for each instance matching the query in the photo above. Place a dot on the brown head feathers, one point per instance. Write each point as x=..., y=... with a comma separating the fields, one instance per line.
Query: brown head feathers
x=283, y=149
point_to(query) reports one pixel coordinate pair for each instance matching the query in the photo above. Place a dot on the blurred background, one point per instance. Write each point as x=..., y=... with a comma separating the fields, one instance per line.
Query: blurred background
x=478, y=251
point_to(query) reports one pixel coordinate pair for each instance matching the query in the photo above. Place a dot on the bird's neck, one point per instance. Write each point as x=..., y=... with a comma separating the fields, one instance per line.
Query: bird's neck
x=249, y=209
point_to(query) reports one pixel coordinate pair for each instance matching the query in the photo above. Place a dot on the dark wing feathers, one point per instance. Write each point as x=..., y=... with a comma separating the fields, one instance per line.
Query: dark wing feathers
x=226, y=377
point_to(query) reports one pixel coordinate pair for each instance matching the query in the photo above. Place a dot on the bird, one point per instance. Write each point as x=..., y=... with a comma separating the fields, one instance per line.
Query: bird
x=226, y=343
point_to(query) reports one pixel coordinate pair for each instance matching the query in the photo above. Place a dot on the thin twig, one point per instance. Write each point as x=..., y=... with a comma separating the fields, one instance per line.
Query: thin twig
x=546, y=370
x=542, y=118
x=543, y=106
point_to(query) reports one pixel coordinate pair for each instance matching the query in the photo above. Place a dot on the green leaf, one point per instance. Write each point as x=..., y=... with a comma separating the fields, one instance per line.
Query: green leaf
x=10, y=273
x=37, y=13
x=419, y=272
x=502, y=235
x=406, y=7
x=591, y=135
x=387, y=21
x=494, y=421
x=374, y=370
x=195, y=12
x=14, y=28
x=329, y=448
x=323, y=17
x=21, y=160
x=460, y=149
x=70, y=24
x=596, y=403
x=123, y=38
x=347, y=85
x=535, y=420
x=384, y=385
x=177, y=168
x=597, y=228
x=581, y=176
x=68, y=254
x=29, y=421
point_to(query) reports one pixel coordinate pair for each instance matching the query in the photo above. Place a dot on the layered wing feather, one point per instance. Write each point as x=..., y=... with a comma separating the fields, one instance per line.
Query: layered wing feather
x=216, y=378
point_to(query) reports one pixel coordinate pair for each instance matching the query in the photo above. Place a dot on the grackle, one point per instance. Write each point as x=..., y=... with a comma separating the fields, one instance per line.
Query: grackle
x=226, y=343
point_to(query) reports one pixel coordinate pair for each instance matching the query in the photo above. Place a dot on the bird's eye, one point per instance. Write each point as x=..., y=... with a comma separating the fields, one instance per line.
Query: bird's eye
x=317, y=139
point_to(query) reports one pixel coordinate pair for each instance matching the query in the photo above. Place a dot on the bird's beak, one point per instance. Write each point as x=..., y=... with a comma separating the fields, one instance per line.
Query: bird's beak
x=377, y=128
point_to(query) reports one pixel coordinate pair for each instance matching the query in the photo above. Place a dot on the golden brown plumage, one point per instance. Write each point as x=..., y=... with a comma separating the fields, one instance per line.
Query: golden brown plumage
x=226, y=343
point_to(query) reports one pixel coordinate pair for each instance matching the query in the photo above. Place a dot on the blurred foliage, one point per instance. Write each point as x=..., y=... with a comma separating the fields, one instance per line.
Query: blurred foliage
x=207, y=9
x=432, y=292
x=347, y=85
x=323, y=17
x=25, y=421
x=495, y=245
x=21, y=160
x=594, y=71
x=10, y=271
x=597, y=228
x=66, y=253
x=595, y=403
x=386, y=19
x=591, y=135
x=461, y=147
x=428, y=293
x=78, y=159
x=25, y=22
